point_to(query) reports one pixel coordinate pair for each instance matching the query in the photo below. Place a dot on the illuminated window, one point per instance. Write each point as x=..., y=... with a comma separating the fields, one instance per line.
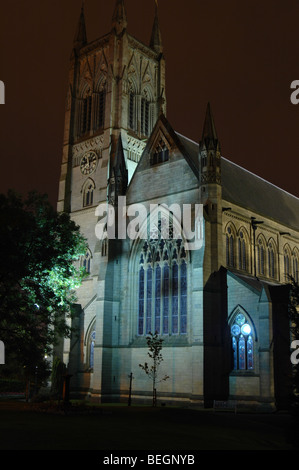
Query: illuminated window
x=242, y=343
x=162, y=292
x=90, y=349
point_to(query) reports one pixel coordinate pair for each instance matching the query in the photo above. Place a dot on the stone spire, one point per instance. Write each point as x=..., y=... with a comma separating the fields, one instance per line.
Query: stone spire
x=156, y=38
x=80, y=38
x=210, y=151
x=119, y=18
x=209, y=135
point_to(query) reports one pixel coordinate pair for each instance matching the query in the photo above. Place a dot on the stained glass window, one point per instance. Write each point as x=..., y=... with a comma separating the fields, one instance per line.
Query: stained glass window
x=165, y=298
x=183, y=297
x=242, y=343
x=141, y=301
x=158, y=300
x=162, y=285
x=175, y=293
x=91, y=349
x=149, y=300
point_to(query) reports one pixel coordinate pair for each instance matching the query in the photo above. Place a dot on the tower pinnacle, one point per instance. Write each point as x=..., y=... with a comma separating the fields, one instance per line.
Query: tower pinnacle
x=209, y=136
x=119, y=18
x=209, y=151
x=80, y=38
x=156, y=38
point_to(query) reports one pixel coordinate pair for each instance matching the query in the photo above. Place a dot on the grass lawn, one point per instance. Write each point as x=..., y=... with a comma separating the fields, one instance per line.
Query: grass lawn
x=141, y=428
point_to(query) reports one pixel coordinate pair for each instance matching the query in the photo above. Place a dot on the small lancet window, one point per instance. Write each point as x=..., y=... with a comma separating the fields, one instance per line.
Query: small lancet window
x=287, y=265
x=242, y=252
x=145, y=116
x=86, y=262
x=86, y=112
x=295, y=267
x=261, y=257
x=160, y=154
x=230, y=255
x=271, y=261
x=132, y=120
x=91, y=345
x=88, y=194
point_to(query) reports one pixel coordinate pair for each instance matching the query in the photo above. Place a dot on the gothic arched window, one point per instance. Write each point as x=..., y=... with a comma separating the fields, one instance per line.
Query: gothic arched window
x=287, y=263
x=242, y=251
x=242, y=342
x=132, y=106
x=90, y=349
x=86, y=261
x=85, y=113
x=271, y=260
x=162, y=290
x=145, y=114
x=261, y=261
x=160, y=154
x=88, y=193
x=99, y=108
x=295, y=265
x=230, y=253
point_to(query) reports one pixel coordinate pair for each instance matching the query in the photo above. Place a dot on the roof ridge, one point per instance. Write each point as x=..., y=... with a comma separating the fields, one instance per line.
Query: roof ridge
x=245, y=169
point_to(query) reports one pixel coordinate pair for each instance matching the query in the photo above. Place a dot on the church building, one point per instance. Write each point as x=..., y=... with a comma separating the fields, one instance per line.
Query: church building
x=220, y=306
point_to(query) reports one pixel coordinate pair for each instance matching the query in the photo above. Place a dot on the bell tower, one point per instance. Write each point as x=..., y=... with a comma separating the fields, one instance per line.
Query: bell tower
x=116, y=88
x=115, y=94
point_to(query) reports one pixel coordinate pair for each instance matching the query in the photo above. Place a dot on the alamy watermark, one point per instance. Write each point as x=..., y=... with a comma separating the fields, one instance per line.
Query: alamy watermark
x=295, y=354
x=2, y=353
x=2, y=92
x=295, y=94
x=157, y=221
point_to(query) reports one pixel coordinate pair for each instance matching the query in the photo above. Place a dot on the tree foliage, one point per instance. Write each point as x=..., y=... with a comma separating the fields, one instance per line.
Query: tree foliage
x=38, y=275
x=155, y=345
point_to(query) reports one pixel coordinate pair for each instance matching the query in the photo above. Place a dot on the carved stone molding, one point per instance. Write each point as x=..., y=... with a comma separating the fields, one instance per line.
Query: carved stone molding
x=95, y=144
x=135, y=148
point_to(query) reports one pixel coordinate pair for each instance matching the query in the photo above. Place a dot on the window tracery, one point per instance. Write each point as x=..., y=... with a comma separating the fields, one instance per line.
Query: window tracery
x=242, y=341
x=162, y=290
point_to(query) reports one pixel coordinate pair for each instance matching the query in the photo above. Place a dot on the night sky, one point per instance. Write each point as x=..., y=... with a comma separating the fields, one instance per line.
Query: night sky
x=240, y=55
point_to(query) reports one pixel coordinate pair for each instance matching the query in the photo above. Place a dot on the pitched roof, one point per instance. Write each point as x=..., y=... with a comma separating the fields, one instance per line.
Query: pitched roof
x=245, y=189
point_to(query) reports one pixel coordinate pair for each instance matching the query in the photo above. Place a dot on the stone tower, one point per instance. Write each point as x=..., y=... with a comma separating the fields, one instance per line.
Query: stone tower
x=115, y=94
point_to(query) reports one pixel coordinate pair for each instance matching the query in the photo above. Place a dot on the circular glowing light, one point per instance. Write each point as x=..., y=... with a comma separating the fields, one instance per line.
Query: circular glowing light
x=246, y=329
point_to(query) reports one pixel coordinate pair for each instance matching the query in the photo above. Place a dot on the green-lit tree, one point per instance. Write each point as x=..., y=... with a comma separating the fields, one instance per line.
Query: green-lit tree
x=38, y=277
x=155, y=344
